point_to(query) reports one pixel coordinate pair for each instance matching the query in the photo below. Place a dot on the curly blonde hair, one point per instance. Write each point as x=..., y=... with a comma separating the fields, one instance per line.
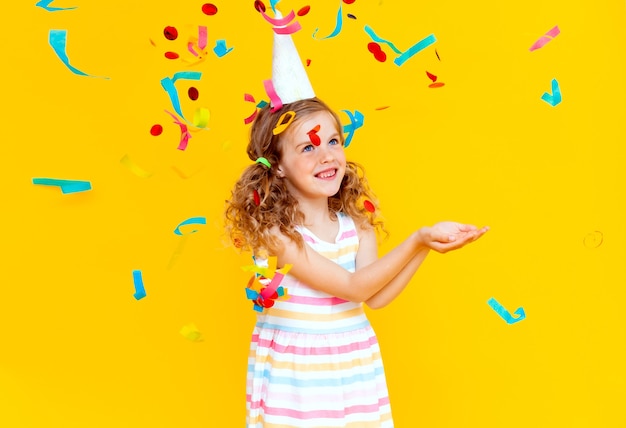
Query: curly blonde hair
x=250, y=217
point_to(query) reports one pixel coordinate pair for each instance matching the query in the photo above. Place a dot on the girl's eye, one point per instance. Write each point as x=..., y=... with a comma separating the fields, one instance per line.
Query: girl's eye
x=307, y=148
x=334, y=142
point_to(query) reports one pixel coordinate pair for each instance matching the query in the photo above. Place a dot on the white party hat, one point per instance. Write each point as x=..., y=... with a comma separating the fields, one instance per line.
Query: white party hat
x=289, y=77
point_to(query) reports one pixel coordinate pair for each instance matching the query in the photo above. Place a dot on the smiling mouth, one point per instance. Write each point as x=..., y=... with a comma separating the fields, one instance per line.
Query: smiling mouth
x=327, y=174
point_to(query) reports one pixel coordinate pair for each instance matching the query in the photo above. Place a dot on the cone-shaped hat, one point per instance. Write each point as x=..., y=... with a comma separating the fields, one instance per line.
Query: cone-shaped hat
x=289, y=77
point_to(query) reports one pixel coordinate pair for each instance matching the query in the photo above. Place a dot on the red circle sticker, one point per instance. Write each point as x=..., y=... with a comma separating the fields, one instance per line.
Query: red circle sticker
x=369, y=206
x=209, y=9
x=193, y=93
x=156, y=130
x=170, y=33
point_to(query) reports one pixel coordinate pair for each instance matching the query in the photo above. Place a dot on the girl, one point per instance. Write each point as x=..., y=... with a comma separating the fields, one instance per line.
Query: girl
x=314, y=359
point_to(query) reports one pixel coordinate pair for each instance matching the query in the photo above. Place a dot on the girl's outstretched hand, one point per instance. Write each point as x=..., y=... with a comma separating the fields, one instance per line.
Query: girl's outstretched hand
x=448, y=235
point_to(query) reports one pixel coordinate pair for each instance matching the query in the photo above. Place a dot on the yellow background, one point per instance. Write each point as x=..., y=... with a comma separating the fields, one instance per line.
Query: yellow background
x=79, y=351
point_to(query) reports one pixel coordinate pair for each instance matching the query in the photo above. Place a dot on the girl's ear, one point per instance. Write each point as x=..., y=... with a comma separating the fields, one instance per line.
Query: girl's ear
x=279, y=172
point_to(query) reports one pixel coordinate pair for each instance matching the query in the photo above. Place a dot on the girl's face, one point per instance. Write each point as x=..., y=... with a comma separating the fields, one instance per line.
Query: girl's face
x=313, y=161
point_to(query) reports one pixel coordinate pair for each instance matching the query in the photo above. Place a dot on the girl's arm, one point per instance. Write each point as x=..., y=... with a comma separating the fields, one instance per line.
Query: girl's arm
x=368, y=253
x=322, y=274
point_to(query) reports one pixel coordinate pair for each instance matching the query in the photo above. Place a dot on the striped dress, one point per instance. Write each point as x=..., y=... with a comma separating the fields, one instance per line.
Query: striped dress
x=314, y=359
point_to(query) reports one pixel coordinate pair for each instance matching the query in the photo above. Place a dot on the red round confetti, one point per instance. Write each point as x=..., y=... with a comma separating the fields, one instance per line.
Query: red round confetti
x=156, y=130
x=170, y=33
x=369, y=206
x=209, y=9
x=380, y=56
x=304, y=10
x=266, y=303
x=171, y=55
x=193, y=93
x=373, y=47
x=259, y=5
x=348, y=1
x=257, y=198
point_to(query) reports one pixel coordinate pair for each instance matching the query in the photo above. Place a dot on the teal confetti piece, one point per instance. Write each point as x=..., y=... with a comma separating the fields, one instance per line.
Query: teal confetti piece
x=555, y=98
x=506, y=316
x=337, y=29
x=45, y=4
x=67, y=186
x=140, y=291
x=421, y=45
x=375, y=38
x=220, y=48
x=192, y=220
x=58, y=41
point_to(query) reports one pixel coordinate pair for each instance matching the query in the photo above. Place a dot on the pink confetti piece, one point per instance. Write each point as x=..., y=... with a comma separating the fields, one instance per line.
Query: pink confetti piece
x=277, y=103
x=545, y=38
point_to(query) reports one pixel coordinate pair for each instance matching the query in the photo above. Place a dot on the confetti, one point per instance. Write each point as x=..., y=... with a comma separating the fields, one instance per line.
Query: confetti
x=170, y=33
x=128, y=163
x=156, y=130
x=168, y=85
x=555, y=98
x=256, y=197
x=259, y=6
x=184, y=132
x=283, y=122
x=375, y=38
x=140, y=291
x=277, y=103
x=171, y=55
x=303, y=11
x=193, y=93
x=551, y=34
x=313, y=137
x=419, y=46
x=191, y=332
x=220, y=48
x=369, y=206
x=337, y=29
x=66, y=186
x=191, y=220
x=58, y=41
x=44, y=4
x=209, y=9
x=351, y=16
x=593, y=239
x=501, y=310
x=356, y=121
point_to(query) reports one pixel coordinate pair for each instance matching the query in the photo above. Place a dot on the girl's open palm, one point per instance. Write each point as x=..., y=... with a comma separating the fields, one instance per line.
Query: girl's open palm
x=448, y=235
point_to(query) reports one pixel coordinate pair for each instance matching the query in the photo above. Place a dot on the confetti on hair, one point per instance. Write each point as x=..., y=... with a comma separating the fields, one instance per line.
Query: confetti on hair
x=283, y=122
x=45, y=4
x=369, y=206
x=551, y=34
x=257, y=198
x=337, y=29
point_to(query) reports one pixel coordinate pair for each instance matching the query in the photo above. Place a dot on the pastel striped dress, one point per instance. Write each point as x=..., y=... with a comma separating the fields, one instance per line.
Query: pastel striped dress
x=314, y=359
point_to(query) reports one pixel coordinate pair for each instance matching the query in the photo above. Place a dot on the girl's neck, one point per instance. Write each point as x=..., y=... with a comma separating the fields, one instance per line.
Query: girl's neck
x=316, y=213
